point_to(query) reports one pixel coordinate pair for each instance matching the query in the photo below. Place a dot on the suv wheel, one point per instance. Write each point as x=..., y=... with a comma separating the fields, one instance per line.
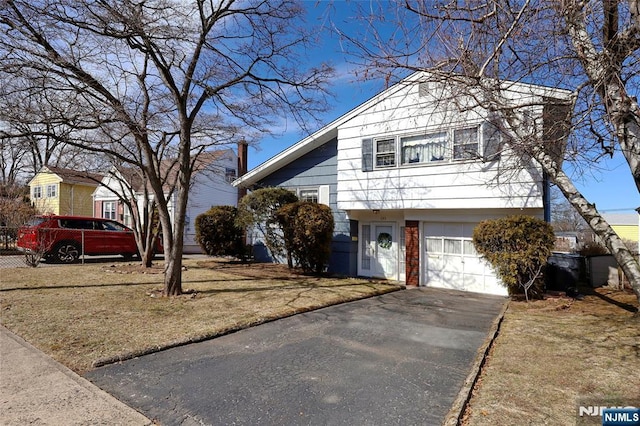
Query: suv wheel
x=66, y=253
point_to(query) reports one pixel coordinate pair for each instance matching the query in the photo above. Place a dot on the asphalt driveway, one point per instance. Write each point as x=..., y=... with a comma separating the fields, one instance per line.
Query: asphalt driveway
x=400, y=358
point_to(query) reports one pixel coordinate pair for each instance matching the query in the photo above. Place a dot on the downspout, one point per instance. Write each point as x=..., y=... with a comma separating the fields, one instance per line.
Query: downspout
x=243, y=150
x=546, y=197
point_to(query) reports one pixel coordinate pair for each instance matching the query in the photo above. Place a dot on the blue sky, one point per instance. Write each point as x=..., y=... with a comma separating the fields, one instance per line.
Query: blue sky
x=610, y=187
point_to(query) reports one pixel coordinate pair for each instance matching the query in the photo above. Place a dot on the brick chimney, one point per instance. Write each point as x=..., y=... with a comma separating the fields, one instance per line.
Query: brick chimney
x=243, y=149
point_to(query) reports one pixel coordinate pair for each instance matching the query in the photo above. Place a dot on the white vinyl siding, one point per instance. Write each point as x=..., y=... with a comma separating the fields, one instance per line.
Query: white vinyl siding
x=450, y=183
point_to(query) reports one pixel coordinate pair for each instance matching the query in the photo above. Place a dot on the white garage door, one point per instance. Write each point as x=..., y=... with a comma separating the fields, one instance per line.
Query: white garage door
x=452, y=262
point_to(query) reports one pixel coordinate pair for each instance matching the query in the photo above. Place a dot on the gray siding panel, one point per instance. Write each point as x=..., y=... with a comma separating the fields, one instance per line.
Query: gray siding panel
x=319, y=167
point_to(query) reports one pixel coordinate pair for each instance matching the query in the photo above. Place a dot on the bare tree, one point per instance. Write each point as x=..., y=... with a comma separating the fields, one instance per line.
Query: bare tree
x=33, y=133
x=481, y=49
x=564, y=218
x=165, y=79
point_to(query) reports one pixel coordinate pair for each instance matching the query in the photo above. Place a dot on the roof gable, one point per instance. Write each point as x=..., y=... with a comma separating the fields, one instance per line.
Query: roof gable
x=70, y=176
x=330, y=131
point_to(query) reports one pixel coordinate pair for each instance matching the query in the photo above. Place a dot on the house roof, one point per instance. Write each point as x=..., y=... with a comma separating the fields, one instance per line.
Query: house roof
x=330, y=131
x=169, y=167
x=621, y=218
x=70, y=176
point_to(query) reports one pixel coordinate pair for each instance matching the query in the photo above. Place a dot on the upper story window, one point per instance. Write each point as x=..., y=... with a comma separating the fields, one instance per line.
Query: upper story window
x=424, y=148
x=52, y=191
x=385, y=152
x=441, y=146
x=465, y=143
x=229, y=174
x=37, y=192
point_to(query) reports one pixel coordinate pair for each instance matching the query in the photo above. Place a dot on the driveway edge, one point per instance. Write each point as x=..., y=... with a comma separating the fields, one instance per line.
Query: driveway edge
x=101, y=362
x=454, y=416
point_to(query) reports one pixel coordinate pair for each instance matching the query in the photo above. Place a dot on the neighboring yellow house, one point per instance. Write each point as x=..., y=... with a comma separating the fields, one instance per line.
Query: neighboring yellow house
x=59, y=191
x=627, y=226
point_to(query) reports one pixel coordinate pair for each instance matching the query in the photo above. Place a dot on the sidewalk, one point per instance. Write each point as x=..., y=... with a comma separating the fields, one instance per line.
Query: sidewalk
x=35, y=389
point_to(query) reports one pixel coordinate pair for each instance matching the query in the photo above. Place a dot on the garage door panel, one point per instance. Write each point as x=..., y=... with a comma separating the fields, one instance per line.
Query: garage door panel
x=451, y=260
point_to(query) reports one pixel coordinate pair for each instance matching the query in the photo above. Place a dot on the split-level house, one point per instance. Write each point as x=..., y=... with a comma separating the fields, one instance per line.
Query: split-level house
x=62, y=191
x=211, y=186
x=408, y=177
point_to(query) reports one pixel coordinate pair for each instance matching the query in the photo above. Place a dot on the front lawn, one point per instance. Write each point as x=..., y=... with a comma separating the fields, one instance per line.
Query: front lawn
x=554, y=355
x=86, y=314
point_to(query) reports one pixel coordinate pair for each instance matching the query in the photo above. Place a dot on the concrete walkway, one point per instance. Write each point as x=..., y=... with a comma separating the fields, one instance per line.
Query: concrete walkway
x=35, y=389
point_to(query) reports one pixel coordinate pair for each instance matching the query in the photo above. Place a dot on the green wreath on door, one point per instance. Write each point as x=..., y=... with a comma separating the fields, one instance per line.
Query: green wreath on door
x=385, y=240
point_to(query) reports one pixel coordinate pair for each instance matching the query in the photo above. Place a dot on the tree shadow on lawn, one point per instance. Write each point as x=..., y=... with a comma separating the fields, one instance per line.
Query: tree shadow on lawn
x=590, y=291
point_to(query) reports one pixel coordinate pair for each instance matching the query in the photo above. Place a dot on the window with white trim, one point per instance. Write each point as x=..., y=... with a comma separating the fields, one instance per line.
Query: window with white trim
x=385, y=152
x=52, y=191
x=37, y=192
x=439, y=146
x=450, y=245
x=229, y=174
x=308, y=194
x=109, y=210
x=423, y=148
x=465, y=143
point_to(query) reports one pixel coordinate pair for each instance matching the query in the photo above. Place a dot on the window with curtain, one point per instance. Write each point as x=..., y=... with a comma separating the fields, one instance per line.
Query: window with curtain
x=424, y=148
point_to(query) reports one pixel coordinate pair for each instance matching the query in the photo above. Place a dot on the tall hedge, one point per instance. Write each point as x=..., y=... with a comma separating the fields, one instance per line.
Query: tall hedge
x=518, y=248
x=217, y=232
x=308, y=232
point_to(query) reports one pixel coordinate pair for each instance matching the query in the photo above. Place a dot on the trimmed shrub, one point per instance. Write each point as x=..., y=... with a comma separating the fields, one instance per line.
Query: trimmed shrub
x=308, y=231
x=218, y=234
x=593, y=249
x=257, y=211
x=518, y=248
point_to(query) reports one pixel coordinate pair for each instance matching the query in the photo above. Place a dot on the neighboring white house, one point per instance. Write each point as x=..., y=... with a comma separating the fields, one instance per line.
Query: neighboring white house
x=409, y=177
x=211, y=186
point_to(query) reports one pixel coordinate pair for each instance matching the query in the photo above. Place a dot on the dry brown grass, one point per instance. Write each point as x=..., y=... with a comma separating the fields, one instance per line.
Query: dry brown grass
x=552, y=356
x=81, y=314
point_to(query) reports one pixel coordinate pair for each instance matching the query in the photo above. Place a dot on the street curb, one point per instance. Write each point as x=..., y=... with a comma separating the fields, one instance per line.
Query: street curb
x=454, y=416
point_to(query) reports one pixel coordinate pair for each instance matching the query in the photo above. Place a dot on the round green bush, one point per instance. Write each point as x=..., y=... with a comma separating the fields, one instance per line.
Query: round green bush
x=518, y=248
x=217, y=232
x=308, y=232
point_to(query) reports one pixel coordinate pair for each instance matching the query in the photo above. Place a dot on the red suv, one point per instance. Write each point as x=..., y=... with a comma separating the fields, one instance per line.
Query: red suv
x=65, y=238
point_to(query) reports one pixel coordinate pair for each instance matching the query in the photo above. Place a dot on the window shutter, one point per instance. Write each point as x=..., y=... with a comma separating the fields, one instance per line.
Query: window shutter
x=323, y=194
x=367, y=155
x=492, y=140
